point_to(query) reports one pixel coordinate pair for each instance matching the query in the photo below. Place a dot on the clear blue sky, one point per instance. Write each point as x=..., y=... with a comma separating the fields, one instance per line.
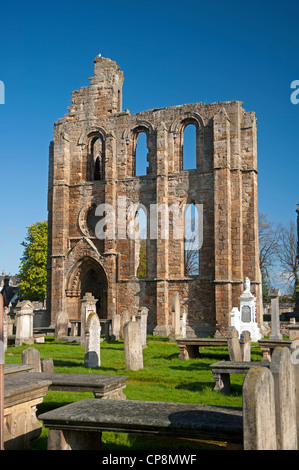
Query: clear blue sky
x=171, y=52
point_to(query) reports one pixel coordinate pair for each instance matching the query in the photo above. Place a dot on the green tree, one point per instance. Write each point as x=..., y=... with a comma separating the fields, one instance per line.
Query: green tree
x=33, y=266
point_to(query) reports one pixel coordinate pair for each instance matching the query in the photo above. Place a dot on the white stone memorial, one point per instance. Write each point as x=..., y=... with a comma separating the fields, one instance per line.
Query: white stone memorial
x=92, y=357
x=88, y=305
x=24, y=323
x=245, y=318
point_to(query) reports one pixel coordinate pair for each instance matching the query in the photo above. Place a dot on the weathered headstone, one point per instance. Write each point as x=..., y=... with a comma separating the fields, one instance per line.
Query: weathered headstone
x=295, y=361
x=274, y=294
x=47, y=365
x=233, y=344
x=285, y=398
x=88, y=305
x=176, y=314
x=142, y=318
x=125, y=317
x=31, y=356
x=24, y=323
x=245, y=344
x=61, y=325
x=259, y=429
x=133, y=346
x=115, y=327
x=92, y=357
x=183, y=324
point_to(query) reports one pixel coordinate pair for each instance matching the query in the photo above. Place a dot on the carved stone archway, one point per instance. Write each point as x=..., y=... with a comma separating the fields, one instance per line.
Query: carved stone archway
x=88, y=276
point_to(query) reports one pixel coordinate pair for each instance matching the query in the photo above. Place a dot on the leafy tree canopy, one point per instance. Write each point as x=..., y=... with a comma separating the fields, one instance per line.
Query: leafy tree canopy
x=33, y=266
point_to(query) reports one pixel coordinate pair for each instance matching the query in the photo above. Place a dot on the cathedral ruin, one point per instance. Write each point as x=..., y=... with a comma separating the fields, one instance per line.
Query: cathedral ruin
x=93, y=161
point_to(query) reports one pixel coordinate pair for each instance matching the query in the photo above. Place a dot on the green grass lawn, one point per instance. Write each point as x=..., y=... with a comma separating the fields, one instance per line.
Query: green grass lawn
x=163, y=378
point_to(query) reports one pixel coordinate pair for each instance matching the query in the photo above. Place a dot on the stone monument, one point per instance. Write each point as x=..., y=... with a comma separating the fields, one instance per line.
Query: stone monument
x=274, y=295
x=245, y=318
x=24, y=323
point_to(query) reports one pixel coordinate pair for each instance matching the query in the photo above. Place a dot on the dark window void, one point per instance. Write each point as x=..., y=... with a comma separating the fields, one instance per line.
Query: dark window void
x=141, y=162
x=191, y=242
x=98, y=159
x=189, y=147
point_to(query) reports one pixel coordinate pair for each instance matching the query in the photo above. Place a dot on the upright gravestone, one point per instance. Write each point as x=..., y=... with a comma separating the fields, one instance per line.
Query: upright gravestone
x=274, y=294
x=142, y=318
x=233, y=344
x=176, y=314
x=24, y=323
x=31, y=357
x=92, y=357
x=88, y=305
x=282, y=370
x=61, y=325
x=183, y=324
x=125, y=317
x=115, y=327
x=245, y=344
x=133, y=346
x=295, y=361
x=259, y=429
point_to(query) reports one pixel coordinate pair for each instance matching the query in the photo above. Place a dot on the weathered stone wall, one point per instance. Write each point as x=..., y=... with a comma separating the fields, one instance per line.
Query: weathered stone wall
x=224, y=182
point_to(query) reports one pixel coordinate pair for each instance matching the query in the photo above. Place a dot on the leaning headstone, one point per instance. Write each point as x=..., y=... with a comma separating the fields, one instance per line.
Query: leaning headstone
x=31, y=356
x=88, y=305
x=115, y=327
x=133, y=346
x=275, y=322
x=245, y=344
x=259, y=429
x=47, y=365
x=61, y=325
x=233, y=344
x=176, y=314
x=285, y=398
x=92, y=356
x=24, y=323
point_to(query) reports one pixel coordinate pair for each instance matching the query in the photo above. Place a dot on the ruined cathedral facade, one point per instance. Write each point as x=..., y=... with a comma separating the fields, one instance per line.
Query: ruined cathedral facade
x=93, y=162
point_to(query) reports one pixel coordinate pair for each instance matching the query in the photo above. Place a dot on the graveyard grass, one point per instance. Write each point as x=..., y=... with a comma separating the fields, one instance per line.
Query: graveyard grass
x=164, y=378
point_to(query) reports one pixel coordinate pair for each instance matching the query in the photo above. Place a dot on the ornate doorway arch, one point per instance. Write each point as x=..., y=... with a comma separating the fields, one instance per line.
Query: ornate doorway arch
x=89, y=276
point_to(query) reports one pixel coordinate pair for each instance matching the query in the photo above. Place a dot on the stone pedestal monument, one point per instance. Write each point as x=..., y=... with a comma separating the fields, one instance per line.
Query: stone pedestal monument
x=245, y=318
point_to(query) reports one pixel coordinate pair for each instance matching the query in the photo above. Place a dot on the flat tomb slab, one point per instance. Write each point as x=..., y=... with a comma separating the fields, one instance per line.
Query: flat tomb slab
x=221, y=372
x=189, y=347
x=172, y=419
x=100, y=385
x=16, y=368
x=234, y=367
x=21, y=398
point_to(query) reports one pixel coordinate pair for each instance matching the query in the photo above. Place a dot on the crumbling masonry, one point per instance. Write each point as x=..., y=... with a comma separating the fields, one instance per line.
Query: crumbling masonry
x=93, y=161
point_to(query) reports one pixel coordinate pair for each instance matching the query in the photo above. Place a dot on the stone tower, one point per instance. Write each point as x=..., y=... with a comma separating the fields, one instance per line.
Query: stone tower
x=93, y=161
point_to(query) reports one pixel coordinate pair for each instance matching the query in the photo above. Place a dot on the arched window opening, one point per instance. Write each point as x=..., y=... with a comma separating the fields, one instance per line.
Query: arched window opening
x=141, y=151
x=97, y=152
x=189, y=147
x=140, y=243
x=191, y=241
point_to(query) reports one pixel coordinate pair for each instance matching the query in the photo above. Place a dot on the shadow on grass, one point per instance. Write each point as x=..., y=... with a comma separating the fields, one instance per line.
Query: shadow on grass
x=192, y=366
x=195, y=386
x=64, y=363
